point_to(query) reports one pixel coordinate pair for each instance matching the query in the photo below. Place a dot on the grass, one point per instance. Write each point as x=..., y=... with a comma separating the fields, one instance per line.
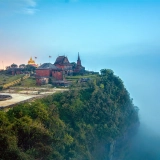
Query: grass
x=29, y=82
x=74, y=78
x=4, y=79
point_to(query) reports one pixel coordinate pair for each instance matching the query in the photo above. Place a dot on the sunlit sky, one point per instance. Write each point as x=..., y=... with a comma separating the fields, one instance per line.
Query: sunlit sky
x=95, y=28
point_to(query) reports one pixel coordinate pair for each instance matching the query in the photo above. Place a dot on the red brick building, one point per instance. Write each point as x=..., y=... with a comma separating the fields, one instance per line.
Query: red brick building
x=63, y=63
x=54, y=73
x=69, y=68
x=48, y=72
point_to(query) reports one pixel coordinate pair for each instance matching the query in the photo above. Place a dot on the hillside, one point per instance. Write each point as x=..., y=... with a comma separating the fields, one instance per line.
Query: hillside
x=90, y=122
x=4, y=78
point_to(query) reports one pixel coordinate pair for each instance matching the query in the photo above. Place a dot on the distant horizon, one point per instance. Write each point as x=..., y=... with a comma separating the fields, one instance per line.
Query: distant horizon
x=50, y=60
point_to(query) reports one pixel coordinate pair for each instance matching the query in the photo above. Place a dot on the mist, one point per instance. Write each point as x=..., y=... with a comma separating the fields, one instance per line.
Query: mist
x=145, y=145
x=143, y=85
x=140, y=74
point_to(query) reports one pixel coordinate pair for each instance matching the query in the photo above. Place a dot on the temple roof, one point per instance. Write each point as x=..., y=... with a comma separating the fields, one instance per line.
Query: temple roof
x=61, y=60
x=31, y=61
x=48, y=66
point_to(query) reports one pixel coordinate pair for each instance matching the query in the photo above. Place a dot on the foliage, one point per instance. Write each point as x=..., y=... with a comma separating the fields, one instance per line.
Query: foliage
x=74, y=78
x=30, y=68
x=29, y=82
x=68, y=125
x=4, y=79
x=1, y=87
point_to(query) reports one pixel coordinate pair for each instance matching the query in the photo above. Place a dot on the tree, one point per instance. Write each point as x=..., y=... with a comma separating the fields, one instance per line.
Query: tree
x=30, y=68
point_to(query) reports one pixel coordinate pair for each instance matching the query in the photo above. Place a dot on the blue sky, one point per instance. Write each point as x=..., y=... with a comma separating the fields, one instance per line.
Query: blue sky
x=42, y=28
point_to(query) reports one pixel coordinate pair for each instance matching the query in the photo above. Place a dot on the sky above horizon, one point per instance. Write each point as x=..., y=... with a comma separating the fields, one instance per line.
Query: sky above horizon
x=65, y=27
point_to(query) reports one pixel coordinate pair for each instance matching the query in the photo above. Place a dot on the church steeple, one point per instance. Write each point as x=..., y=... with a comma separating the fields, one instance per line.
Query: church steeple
x=78, y=57
x=78, y=60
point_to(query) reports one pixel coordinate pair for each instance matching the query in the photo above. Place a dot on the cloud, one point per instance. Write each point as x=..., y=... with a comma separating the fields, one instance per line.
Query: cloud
x=27, y=6
x=31, y=3
x=29, y=11
x=18, y=6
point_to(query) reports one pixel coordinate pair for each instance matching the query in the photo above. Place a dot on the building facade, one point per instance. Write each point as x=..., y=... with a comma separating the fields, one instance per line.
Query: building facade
x=79, y=69
x=47, y=73
x=55, y=73
x=63, y=63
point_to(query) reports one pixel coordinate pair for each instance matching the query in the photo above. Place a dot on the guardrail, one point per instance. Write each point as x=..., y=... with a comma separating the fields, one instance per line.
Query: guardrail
x=15, y=82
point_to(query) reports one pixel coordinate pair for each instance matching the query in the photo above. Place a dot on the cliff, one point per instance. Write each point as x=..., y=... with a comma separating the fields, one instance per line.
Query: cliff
x=89, y=122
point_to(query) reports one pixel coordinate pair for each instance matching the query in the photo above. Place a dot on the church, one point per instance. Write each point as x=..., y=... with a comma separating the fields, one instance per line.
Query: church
x=55, y=73
x=63, y=63
x=70, y=68
x=78, y=68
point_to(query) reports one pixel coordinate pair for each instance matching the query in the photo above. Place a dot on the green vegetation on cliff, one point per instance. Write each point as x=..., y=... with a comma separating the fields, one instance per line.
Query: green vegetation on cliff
x=69, y=125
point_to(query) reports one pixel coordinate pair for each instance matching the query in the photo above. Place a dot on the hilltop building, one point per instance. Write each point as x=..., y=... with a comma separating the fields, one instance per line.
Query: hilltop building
x=13, y=69
x=70, y=68
x=63, y=63
x=78, y=68
x=32, y=62
x=47, y=73
x=55, y=73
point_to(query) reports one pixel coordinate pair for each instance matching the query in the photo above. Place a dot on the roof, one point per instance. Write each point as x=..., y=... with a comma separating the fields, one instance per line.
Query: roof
x=61, y=60
x=13, y=65
x=48, y=66
x=31, y=61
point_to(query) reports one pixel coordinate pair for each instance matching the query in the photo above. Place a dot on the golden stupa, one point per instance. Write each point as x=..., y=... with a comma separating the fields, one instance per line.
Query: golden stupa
x=32, y=62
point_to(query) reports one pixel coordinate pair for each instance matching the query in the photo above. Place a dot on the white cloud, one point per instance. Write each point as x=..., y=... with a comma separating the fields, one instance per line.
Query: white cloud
x=27, y=6
x=29, y=11
x=31, y=3
x=18, y=6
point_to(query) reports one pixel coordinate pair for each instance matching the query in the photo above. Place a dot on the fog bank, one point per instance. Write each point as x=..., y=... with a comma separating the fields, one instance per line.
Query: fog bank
x=140, y=75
